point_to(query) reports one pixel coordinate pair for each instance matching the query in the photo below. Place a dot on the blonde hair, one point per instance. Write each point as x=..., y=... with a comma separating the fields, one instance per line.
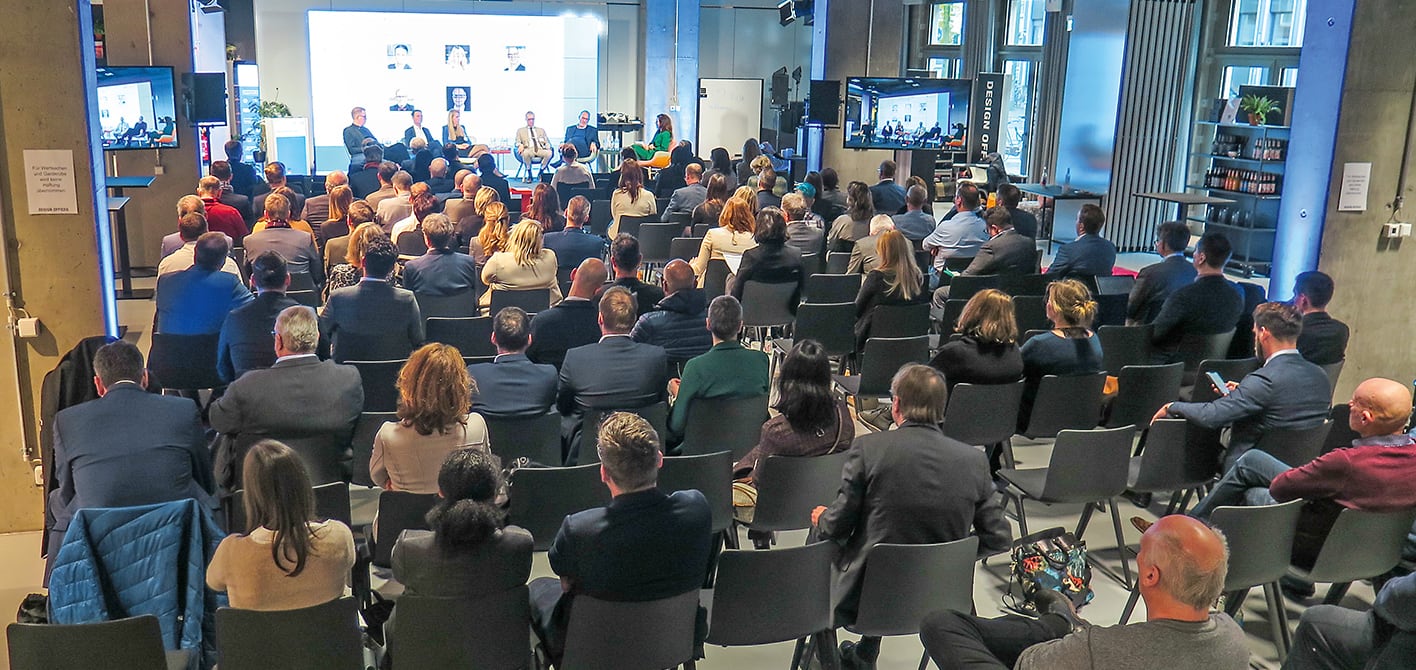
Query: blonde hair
x=525, y=242
x=897, y=263
x=1072, y=304
x=989, y=318
x=760, y=163
x=745, y=194
x=360, y=239
x=493, y=235
x=454, y=129
x=737, y=217
x=486, y=195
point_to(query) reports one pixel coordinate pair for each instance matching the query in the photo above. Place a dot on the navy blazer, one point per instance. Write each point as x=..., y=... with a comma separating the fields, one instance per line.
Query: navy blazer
x=196, y=301
x=1008, y=253
x=1086, y=256
x=574, y=245
x=614, y=373
x=1323, y=339
x=1209, y=305
x=440, y=273
x=374, y=307
x=127, y=448
x=246, y=339
x=512, y=386
x=1155, y=283
x=888, y=197
x=570, y=324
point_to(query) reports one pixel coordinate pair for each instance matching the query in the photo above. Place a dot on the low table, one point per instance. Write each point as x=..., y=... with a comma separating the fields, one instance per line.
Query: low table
x=1050, y=196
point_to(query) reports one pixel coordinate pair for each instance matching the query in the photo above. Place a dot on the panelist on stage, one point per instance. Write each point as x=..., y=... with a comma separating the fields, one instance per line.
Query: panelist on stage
x=532, y=144
x=455, y=135
x=660, y=143
x=417, y=130
x=356, y=133
x=583, y=136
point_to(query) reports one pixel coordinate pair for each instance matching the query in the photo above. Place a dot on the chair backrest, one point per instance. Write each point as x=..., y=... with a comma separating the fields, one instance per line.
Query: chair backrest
x=949, y=320
x=458, y=305
x=905, y=582
x=472, y=335
x=362, y=443
x=700, y=230
x=1065, y=403
x=533, y=300
x=600, y=217
x=709, y=474
x=761, y=597
x=1232, y=369
x=1340, y=433
x=963, y=287
x=302, y=281
x=1111, y=309
x=789, y=487
x=829, y=323
x=1029, y=334
x=684, y=248
x=1029, y=284
x=1260, y=541
x=837, y=262
x=537, y=438
x=1031, y=312
x=1141, y=390
x=1361, y=545
x=1088, y=465
x=884, y=356
x=411, y=243
x=1114, y=285
x=312, y=638
x=732, y=423
x=900, y=320
x=1333, y=372
x=630, y=224
x=656, y=414
x=983, y=414
x=185, y=361
x=131, y=643
x=1167, y=464
x=768, y=304
x=308, y=298
x=824, y=288
x=1124, y=345
x=351, y=346
x=541, y=498
x=649, y=635
x=715, y=278
x=655, y=240
x=1294, y=446
x=399, y=511
x=1195, y=348
x=811, y=262
x=683, y=219
x=380, y=380
x=434, y=632
x=326, y=455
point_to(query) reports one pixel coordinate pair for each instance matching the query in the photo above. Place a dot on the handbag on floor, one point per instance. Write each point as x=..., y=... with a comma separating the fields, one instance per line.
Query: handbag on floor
x=1051, y=559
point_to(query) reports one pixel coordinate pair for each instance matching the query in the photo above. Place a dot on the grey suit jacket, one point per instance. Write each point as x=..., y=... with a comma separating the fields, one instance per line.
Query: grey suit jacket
x=864, y=255
x=1086, y=256
x=1008, y=253
x=615, y=373
x=295, y=246
x=501, y=562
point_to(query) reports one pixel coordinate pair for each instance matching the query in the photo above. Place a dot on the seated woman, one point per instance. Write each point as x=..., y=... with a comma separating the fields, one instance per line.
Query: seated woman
x=286, y=560
x=1070, y=348
x=454, y=135
x=571, y=171
x=712, y=206
x=751, y=149
x=759, y=164
x=661, y=142
x=896, y=281
x=747, y=195
x=984, y=348
x=721, y=163
x=772, y=261
x=545, y=207
x=524, y=266
x=493, y=236
x=812, y=421
x=351, y=270
x=435, y=418
x=855, y=223
x=733, y=235
x=631, y=197
x=341, y=199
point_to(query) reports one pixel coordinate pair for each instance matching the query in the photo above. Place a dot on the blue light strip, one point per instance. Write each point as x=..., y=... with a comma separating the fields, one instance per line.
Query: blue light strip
x=1317, y=104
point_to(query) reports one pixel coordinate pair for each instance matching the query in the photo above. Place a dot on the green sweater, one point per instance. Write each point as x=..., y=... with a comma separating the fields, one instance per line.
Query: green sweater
x=660, y=141
x=728, y=369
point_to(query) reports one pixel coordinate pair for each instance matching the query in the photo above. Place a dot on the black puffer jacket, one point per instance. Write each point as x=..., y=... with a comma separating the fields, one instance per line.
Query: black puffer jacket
x=679, y=325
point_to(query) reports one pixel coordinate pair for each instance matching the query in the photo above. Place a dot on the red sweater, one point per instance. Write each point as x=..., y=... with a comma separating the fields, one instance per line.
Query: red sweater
x=223, y=218
x=1369, y=477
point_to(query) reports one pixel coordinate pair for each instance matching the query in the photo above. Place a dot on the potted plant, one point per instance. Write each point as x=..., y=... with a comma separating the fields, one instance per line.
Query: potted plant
x=265, y=109
x=1258, y=107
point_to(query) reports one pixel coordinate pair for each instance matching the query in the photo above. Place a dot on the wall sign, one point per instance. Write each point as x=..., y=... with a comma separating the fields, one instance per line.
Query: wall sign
x=985, y=115
x=49, y=181
x=1355, y=179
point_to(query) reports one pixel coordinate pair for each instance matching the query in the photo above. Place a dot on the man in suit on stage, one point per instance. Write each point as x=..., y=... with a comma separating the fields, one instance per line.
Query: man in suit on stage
x=355, y=133
x=511, y=385
x=375, y=308
x=417, y=130
x=532, y=144
x=1155, y=282
x=247, y=334
x=1090, y=255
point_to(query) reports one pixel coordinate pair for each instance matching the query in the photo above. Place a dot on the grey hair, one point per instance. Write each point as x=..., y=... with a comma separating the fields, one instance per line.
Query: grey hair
x=881, y=223
x=1185, y=579
x=725, y=317
x=299, y=329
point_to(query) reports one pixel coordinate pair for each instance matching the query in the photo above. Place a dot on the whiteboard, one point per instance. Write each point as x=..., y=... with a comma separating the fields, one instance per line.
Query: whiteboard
x=729, y=112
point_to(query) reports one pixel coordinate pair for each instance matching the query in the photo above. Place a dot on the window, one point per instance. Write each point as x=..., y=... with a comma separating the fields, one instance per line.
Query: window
x=946, y=24
x=1290, y=77
x=1244, y=75
x=946, y=68
x=1025, y=21
x=1266, y=23
x=1021, y=84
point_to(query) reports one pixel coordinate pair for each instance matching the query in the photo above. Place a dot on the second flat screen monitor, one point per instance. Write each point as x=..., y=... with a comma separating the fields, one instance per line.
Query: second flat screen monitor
x=906, y=113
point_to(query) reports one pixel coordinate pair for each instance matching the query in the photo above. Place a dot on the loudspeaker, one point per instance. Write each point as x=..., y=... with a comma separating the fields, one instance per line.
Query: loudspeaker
x=780, y=88
x=823, y=106
x=792, y=116
x=205, y=94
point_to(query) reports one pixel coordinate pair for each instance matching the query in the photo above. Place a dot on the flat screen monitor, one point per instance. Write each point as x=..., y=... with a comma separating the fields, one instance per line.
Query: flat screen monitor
x=137, y=108
x=906, y=113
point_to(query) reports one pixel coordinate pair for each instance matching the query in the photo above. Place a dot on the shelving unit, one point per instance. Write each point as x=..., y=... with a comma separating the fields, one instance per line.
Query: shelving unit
x=1252, y=221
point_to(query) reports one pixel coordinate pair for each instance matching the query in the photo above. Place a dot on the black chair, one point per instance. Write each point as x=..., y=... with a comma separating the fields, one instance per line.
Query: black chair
x=1195, y=348
x=630, y=224
x=882, y=358
x=600, y=217
x=899, y=320
x=731, y=423
x=380, y=380
x=133, y=643
x=683, y=219
x=309, y=299
x=363, y=443
x=563, y=279
x=1031, y=312
x=185, y=362
x=459, y=305
x=789, y=487
x=399, y=511
x=1114, y=285
x=1294, y=446
x=949, y=317
x=1340, y=433
x=1141, y=390
x=649, y=635
x=411, y=243
x=655, y=240
x=824, y=288
x=700, y=230
x=1065, y=403
x=312, y=638
x=1167, y=463
x=763, y=597
x=1029, y=284
x=564, y=192
x=831, y=324
x=715, y=278
x=709, y=474
x=963, y=287
x=1361, y=545
x=471, y=335
x=1124, y=345
x=903, y=583
x=238, y=255
x=302, y=281
x=537, y=438
x=351, y=346
x=434, y=632
x=541, y=498
x=331, y=502
x=656, y=414
x=532, y=301
x=1087, y=466
x=812, y=263
x=984, y=415
x=1111, y=310
x=1029, y=334
x=837, y=262
x=766, y=306
x=1202, y=390
x=684, y=248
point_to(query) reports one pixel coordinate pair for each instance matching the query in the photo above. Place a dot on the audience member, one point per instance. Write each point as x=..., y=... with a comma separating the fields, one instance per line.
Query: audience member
x=351, y=270
x=336, y=248
x=370, y=178
x=512, y=386
x=336, y=222
x=385, y=172
x=438, y=181
x=625, y=259
x=443, y=271
x=296, y=247
x=423, y=203
x=984, y=347
x=295, y=222
x=375, y=308
x=1024, y=222
x=911, y=485
x=802, y=231
x=1210, y=305
x=196, y=301
x=1331, y=637
x=1070, y=348
x=855, y=222
x=864, y=256
x=714, y=197
x=734, y=235
x=190, y=227
x=888, y=197
x=771, y=261
x=727, y=370
x=961, y=235
x=317, y=208
x=1181, y=569
x=631, y=198
x=915, y=223
x=494, y=235
x=676, y=322
x=1155, y=282
x=721, y=163
x=810, y=420
x=1007, y=252
x=493, y=178
x=222, y=170
x=830, y=202
x=398, y=206
x=808, y=190
x=674, y=177
x=766, y=182
x=686, y=199
x=573, y=243
x=574, y=322
x=524, y=266
x=243, y=176
x=286, y=560
x=247, y=334
x=545, y=207
x=1323, y=339
x=896, y=281
x=435, y=419
x=220, y=217
x=750, y=151
x=1090, y=255
x=571, y=172
x=275, y=178
x=462, y=209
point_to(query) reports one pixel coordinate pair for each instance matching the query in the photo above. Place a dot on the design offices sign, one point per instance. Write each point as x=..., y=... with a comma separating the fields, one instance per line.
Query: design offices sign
x=986, y=115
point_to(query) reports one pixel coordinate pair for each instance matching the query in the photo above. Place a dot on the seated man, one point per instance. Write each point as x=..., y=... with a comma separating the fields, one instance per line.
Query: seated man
x=864, y=256
x=574, y=244
x=677, y=322
x=369, y=179
x=915, y=223
x=645, y=545
x=190, y=226
x=247, y=334
x=766, y=182
x=398, y=206
x=532, y=145
x=1023, y=221
x=1090, y=255
x=297, y=247
x=298, y=396
x=728, y=370
x=317, y=207
x=1155, y=282
x=583, y=136
x=1286, y=392
x=1007, y=252
x=888, y=196
x=959, y=236
x=438, y=181
x=129, y=447
x=221, y=217
x=574, y=321
x=243, y=176
x=275, y=178
x=1208, y=306
x=1336, y=638
x=614, y=373
x=422, y=204
x=626, y=258
x=1373, y=475
x=1181, y=569
x=1324, y=339
x=685, y=200
x=375, y=307
x=804, y=229
x=511, y=385
x=196, y=301
x=911, y=485
x=443, y=271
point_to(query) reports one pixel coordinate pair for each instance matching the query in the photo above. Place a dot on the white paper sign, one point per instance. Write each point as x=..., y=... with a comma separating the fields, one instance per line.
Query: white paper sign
x=1355, y=179
x=49, y=181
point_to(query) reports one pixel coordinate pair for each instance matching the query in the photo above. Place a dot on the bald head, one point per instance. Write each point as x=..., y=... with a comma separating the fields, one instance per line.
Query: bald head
x=678, y=276
x=470, y=185
x=588, y=278
x=460, y=176
x=1182, y=566
x=335, y=178
x=1379, y=407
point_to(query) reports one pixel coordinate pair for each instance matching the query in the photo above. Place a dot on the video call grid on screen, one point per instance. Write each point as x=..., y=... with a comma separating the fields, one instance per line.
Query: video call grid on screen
x=874, y=105
x=494, y=68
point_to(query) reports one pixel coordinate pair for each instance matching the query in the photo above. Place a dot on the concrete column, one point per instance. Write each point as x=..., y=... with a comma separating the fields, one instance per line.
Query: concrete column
x=51, y=262
x=854, y=38
x=671, y=66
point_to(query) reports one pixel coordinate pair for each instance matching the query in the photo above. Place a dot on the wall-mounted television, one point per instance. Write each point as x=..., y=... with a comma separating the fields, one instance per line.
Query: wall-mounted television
x=906, y=113
x=137, y=108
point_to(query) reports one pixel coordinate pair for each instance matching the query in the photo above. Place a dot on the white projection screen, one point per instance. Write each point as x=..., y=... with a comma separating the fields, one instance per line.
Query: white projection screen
x=496, y=67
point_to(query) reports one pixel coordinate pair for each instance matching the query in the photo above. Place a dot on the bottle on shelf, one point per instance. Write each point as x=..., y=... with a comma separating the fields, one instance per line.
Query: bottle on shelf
x=1044, y=176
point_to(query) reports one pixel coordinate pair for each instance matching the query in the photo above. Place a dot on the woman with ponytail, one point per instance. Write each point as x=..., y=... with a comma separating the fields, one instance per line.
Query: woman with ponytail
x=1070, y=348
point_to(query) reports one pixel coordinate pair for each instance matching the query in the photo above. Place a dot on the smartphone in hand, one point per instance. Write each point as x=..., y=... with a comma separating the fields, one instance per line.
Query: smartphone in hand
x=1219, y=383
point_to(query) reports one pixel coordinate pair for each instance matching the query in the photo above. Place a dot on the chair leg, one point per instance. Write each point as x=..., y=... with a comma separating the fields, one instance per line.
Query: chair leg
x=1084, y=520
x=1130, y=606
x=826, y=650
x=1278, y=620
x=1120, y=541
x=1022, y=516
x=1336, y=592
x=924, y=660
x=1174, y=502
x=797, y=653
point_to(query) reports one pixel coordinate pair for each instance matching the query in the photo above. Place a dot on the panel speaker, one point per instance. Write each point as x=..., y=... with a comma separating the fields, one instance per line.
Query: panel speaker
x=823, y=106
